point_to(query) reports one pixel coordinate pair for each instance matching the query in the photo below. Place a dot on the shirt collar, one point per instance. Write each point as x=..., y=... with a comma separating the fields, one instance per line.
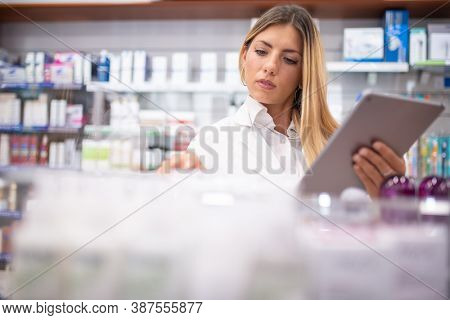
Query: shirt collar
x=253, y=113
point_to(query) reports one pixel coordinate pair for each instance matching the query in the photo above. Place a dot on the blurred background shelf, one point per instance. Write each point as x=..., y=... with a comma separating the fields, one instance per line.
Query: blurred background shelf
x=22, y=129
x=355, y=66
x=166, y=87
x=434, y=66
x=30, y=86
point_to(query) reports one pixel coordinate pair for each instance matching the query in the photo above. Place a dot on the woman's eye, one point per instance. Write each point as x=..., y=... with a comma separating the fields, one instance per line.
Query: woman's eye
x=260, y=52
x=290, y=61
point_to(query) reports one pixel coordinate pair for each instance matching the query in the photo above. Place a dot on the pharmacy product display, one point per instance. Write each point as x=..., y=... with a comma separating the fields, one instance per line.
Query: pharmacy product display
x=254, y=250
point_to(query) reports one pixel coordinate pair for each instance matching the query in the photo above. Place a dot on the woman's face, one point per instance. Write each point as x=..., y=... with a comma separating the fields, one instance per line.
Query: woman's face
x=272, y=65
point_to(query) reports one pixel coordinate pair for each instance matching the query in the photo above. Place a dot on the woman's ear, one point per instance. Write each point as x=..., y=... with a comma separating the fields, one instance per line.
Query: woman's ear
x=244, y=55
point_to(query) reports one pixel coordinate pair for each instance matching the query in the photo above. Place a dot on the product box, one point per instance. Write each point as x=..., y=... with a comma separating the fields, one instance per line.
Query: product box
x=126, y=68
x=208, y=67
x=4, y=150
x=74, y=116
x=439, y=41
x=9, y=110
x=396, y=35
x=159, y=69
x=114, y=70
x=232, y=75
x=74, y=59
x=140, y=66
x=29, y=67
x=13, y=75
x=180, y=68
x=417, y=45
x=87, y=68
x=61, y=73
x=363, y=44
x=41, y=59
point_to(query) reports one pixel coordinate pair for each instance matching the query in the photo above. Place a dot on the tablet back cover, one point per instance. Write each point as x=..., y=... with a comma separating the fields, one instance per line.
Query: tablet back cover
x=395, y=120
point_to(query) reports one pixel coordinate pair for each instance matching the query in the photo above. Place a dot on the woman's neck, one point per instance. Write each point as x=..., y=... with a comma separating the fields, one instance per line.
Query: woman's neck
x=281, y=115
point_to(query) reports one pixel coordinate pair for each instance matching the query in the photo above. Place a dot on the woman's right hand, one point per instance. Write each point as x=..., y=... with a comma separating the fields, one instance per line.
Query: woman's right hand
x=183, y=160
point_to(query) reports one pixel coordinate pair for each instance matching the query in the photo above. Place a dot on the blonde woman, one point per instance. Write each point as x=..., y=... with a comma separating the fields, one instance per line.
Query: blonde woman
x=285, y=122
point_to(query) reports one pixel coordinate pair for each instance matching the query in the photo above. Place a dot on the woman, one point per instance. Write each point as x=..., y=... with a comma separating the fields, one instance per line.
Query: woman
x=284, y=122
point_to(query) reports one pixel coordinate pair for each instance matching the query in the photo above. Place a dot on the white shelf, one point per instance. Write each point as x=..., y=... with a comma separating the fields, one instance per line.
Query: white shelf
x=355, y=66
x=192, y=87
x=198, y=87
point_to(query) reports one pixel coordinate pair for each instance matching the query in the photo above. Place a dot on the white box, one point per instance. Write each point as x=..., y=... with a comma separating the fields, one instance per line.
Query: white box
x=232, y=75
x=87, y=69
x=159, y=69
x=363, y=44
x=139, y=66
x=40, y=59
x=60, y=159
x=61, y=122
x=78, y=69
x=28, y=113
x=208, y=67
x=4, y=150
x=126, y=72
x=439, y=37
x=16, y=112
x=114, y=69
x=54, y=106
x=417, y=45
x=29, y=67
x=61, y=73
x=53, y=155
x=13, y=75
x=180, y=68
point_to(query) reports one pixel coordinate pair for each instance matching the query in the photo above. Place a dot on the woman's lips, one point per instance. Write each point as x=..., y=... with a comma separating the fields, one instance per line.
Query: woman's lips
x=266, y=84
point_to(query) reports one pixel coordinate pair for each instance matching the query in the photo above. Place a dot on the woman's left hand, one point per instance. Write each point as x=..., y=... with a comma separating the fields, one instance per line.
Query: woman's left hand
x=373, y=165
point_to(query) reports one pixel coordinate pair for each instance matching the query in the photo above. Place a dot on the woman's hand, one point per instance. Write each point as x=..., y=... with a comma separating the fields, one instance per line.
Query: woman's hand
x=373, y=165
x=183, y=160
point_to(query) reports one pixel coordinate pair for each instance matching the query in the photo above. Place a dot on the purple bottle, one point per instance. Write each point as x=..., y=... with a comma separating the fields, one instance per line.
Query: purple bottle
x=397, y=187
x=436, y=188
x=433, y=186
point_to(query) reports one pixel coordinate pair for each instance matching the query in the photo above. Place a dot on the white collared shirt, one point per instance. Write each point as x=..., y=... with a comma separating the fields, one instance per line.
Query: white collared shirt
x=249, y=139
x=287, y=149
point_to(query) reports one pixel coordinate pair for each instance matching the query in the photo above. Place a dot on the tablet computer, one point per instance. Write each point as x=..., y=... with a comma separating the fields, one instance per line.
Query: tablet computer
x=394, y=120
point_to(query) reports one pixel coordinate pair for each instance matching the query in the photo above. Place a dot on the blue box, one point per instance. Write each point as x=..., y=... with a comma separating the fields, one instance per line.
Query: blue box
x=396, y=35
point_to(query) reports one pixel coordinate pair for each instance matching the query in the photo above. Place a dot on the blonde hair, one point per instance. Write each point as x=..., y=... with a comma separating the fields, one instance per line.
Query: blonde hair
x=311, y=116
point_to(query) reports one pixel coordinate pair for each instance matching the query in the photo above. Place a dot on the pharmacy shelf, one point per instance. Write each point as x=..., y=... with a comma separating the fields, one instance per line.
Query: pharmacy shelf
x=356, y=66
x=191, y=87
x=94, y=130
x=197, y=87
x=433, y=66
x=39, y=129
x=35, y=86
x=7, y=217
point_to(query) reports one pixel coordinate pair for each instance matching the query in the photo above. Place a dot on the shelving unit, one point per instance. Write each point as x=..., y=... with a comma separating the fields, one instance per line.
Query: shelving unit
x=22, y=129
x=30, y=86
x=166, y=87
x=356, y=66
x=438, y=66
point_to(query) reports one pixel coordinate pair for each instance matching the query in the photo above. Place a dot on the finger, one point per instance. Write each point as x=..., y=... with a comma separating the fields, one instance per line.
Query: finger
x=371, y=189
x=377, y=161
x=395, y=162
x=370, y=171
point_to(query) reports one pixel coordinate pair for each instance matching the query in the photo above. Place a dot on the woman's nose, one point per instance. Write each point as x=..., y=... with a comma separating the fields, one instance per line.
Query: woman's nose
x=271, y=66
